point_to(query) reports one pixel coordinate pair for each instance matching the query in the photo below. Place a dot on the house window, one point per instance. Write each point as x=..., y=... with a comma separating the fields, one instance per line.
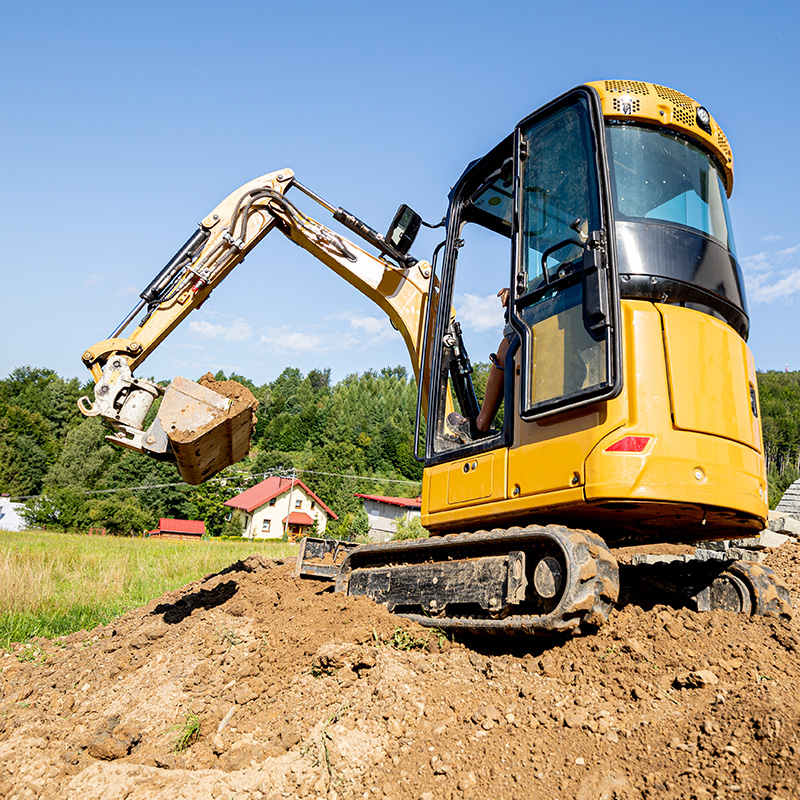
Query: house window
x=272, y=502
x=313, y=505
x=265, y=526
x=298, y=503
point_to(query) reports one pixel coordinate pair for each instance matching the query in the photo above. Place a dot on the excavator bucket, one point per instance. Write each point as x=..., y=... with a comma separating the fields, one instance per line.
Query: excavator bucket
x=208, y=425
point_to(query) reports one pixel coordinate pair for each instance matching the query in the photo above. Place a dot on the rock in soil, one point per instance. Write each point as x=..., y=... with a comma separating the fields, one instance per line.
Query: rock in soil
x=250, y=683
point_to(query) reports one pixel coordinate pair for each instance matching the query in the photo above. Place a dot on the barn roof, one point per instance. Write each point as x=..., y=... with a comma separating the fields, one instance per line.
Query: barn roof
x=404, y=502
x=181, y=526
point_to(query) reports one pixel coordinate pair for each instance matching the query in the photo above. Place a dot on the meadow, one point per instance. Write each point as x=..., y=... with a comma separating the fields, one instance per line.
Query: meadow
x=52, y=584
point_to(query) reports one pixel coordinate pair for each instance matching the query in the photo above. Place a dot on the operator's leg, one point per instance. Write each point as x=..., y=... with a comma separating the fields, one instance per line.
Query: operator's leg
x=494, y=389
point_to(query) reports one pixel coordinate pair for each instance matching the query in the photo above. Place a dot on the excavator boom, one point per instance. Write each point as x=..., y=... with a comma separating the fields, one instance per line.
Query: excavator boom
x=202, y=429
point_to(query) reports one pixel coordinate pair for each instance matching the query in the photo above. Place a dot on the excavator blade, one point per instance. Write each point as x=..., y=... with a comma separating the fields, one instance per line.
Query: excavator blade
x=208, y=425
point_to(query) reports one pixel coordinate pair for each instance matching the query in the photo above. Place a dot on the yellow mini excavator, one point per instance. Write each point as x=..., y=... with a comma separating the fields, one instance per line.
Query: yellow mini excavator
x=630, y=403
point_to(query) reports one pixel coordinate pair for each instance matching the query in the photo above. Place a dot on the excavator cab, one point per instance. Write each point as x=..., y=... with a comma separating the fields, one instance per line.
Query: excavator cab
x=547, y=242
x=605, y=214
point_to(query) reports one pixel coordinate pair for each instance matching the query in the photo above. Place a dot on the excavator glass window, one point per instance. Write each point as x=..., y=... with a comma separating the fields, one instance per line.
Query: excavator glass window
x=564, y=293
x=658, y=175
x=674, y=242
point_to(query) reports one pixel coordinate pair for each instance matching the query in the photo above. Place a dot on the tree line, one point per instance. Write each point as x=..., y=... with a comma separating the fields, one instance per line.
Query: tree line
x=73, y=479
x=361, y=426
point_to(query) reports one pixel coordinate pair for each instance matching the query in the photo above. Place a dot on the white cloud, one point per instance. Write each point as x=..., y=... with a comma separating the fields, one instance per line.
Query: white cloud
x=376, y=329
x=773, y=276
x=329, y=335
x=771, y=237
x=757, y=262
x=479, y=314
x=787, y=253
x=125, y=291
x=93, y=279
x=238, y=331
x=286, y=338
x=784, y=288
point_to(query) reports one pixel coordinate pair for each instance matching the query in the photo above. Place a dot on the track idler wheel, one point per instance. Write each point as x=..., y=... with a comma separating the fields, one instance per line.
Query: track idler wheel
x=747, y=587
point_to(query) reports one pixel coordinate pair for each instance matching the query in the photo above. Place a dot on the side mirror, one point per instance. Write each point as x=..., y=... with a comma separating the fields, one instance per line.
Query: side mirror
x=404, y=229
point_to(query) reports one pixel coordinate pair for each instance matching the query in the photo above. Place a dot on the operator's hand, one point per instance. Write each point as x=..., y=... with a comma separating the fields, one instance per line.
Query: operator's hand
x=503, y=295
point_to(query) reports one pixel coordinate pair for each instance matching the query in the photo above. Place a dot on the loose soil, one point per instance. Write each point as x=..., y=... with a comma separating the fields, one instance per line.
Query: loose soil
x=241, y=397
x=242, y=409
x=299, y=692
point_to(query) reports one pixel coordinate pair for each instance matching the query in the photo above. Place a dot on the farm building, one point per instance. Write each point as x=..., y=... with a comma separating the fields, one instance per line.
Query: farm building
x=384, y=512
x=10, y=520
x=277, y=506
x=187, y=529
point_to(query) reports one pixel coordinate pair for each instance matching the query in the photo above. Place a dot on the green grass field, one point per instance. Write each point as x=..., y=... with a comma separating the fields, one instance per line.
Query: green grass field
x=52, y=584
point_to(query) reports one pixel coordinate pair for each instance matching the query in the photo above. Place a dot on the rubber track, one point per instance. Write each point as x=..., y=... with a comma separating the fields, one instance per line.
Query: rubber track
x=590, y=593
x=769, y=594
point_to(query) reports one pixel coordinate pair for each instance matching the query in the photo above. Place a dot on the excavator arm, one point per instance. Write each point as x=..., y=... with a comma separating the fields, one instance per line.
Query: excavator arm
x=196, y=426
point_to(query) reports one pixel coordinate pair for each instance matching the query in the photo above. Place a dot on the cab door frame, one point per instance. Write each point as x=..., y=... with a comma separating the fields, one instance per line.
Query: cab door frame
x=458, y=197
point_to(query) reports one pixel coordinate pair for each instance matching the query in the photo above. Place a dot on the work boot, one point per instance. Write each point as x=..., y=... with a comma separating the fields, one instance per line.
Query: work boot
x=459, y=426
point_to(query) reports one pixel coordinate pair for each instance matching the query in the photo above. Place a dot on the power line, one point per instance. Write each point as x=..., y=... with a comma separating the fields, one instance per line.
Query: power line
x=224, y=480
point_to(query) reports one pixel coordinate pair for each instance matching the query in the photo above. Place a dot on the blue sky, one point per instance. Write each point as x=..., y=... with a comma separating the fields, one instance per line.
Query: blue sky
x=124, y=124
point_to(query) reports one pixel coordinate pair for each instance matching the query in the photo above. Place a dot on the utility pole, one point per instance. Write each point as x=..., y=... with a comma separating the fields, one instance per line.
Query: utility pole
x=289, y=512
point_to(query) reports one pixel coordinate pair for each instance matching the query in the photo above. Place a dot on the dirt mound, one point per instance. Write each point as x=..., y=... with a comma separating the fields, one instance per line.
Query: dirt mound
x=299, y=692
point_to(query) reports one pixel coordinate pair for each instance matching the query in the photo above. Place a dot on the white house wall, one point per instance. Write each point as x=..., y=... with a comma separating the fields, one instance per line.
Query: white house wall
x=383, y=519
x=10, y=520
x=253, y=523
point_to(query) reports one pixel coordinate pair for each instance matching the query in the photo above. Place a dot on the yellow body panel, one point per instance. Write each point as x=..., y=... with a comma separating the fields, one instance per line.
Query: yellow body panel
x=704, y=482
x=714, y=396
x=466, y=481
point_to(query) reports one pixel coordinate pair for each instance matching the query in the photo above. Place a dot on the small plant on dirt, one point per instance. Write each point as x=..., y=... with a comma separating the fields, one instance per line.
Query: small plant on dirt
x=230, y=637
x=609, y=652
x=326, y=737
x=31, y=652
x=188, y=733
x=401, y=639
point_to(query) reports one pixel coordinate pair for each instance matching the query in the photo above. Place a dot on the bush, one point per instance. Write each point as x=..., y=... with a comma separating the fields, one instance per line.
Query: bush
x=409, y=529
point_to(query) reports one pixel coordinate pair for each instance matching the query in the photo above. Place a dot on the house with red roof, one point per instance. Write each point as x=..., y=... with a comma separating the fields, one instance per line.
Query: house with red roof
x=187, y=529
x=277, y=506
x=384, y=512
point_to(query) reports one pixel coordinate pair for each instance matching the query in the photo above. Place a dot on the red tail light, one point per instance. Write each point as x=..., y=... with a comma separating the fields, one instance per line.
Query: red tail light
x=629, y=444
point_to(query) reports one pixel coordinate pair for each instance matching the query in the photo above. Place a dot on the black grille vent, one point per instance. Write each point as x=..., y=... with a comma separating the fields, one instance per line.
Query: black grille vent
x=723, y=145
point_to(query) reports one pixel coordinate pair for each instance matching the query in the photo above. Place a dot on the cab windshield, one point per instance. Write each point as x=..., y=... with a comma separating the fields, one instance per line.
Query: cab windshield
x=657, y=175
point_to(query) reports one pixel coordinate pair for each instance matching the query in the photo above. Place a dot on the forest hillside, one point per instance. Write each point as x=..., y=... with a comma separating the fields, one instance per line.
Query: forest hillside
x=352, y=436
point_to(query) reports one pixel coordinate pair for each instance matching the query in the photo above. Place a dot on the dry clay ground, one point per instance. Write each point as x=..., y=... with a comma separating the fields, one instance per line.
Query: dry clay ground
x=300, y=692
